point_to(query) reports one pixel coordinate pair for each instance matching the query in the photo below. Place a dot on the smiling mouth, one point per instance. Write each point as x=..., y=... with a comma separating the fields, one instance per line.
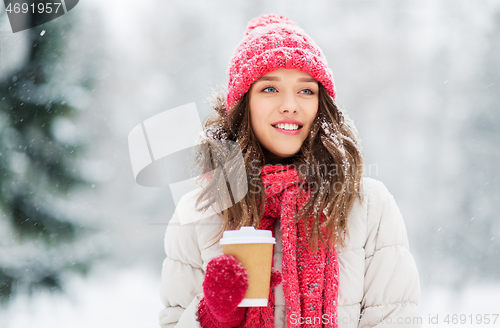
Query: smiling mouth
x=288, y=127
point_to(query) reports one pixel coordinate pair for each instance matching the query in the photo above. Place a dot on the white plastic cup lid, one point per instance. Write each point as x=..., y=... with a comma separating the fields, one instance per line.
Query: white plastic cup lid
x=247, y=235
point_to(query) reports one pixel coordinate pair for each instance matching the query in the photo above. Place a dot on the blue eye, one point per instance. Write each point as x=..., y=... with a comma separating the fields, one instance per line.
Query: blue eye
x=269, y=88
x=309, y=92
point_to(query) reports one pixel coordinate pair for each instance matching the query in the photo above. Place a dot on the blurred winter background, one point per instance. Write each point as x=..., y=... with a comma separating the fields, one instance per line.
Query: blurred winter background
x=81, y=244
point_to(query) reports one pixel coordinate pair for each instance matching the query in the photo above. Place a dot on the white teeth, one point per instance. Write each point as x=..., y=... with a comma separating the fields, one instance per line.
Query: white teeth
x=286, y=126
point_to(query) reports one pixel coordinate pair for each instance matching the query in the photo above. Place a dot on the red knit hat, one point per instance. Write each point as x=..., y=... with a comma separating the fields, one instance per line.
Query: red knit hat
x=272, y=42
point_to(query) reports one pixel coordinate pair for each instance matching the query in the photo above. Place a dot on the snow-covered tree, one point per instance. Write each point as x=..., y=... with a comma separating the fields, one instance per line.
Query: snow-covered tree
x=41, y=235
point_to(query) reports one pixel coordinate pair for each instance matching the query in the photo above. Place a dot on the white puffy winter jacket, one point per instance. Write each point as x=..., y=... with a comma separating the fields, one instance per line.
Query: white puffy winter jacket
x=379, y=284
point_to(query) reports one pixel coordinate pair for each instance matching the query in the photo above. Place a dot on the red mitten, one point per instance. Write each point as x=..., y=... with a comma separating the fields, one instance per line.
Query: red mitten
x=225, y=285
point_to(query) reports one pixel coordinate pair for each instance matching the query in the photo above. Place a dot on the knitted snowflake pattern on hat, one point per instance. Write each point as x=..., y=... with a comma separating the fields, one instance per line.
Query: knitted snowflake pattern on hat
x=272, y=42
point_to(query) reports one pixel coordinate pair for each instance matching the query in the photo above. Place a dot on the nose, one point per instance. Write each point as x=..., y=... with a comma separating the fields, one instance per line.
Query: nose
x=288, y=103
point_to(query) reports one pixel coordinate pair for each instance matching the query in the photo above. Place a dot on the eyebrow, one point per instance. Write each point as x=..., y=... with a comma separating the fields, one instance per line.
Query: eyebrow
x=275, y=78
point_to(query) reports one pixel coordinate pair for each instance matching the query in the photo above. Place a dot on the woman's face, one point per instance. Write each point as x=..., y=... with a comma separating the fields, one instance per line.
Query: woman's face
x=283, y=105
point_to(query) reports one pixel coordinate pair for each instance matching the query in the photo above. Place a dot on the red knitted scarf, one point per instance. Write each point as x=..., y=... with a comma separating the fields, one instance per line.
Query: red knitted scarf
x=310, y=280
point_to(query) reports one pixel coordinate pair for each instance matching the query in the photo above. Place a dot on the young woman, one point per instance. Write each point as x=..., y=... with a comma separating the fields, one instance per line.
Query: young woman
x=341, y=250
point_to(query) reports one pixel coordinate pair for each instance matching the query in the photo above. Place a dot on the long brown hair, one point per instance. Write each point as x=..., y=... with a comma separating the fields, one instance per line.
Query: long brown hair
x=330, y=160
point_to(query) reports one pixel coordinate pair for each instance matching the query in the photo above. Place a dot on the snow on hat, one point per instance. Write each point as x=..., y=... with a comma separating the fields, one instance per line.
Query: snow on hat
x=272, y=42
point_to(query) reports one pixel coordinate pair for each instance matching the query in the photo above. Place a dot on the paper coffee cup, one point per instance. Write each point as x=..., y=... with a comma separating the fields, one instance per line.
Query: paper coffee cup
x=254, y=249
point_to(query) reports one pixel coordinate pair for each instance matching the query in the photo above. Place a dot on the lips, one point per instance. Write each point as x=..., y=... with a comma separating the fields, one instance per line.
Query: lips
x=288, y=126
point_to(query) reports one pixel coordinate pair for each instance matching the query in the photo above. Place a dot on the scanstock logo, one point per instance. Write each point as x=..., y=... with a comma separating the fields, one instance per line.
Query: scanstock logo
x=162, y=153
x=27, y=14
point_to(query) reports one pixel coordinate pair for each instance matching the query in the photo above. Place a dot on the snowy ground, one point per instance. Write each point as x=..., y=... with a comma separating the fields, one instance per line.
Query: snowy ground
x=129, y=298
x=123, y=298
